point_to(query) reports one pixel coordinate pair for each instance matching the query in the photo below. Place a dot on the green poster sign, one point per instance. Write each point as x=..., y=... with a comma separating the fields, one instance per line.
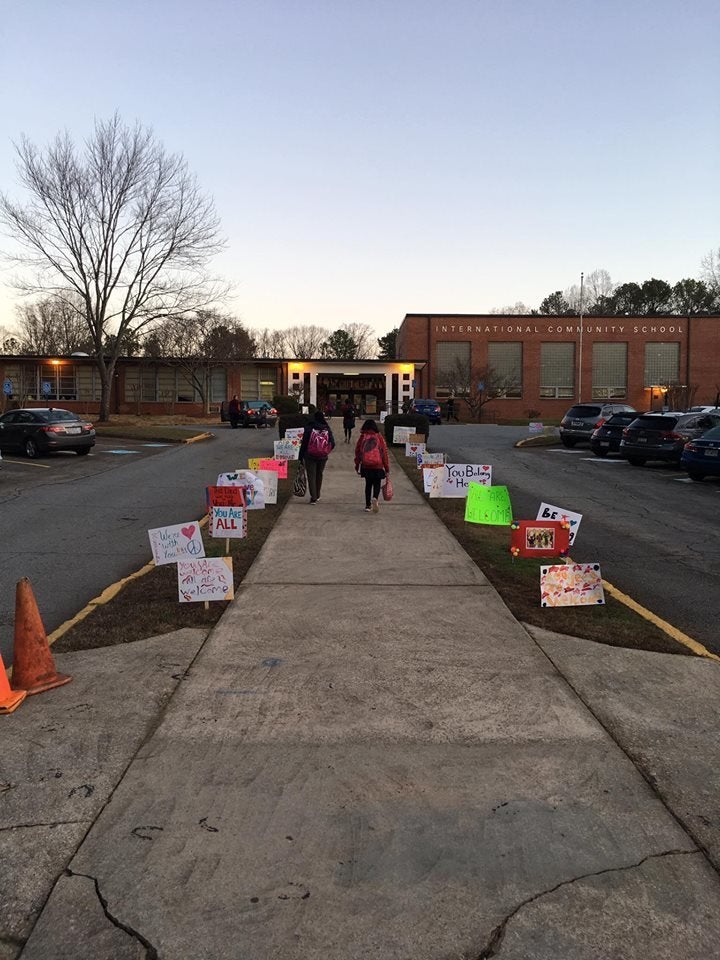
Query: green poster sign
x=490, y=505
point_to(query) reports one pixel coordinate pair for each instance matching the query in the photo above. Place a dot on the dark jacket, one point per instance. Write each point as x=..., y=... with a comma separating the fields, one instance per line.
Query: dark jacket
x=315, y=425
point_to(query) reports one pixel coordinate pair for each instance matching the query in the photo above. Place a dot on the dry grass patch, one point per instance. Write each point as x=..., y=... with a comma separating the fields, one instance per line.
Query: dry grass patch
x=518, y=583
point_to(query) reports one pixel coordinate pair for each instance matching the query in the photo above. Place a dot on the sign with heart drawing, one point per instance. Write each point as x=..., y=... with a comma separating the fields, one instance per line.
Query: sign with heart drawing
x=180, y=542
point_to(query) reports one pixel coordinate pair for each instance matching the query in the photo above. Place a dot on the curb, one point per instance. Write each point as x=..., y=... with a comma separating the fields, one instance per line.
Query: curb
x=532, y=441
x=200, y=436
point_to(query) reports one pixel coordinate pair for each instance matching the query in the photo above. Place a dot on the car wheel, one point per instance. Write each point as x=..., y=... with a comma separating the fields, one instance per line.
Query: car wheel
x=600, y=453
x=31, y=448
x=82, y=451
x=696, y=476
x=637, y=461
x=568, y=441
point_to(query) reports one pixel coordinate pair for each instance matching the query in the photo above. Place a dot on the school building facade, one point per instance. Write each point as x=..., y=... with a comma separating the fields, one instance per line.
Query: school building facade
x=548, y=363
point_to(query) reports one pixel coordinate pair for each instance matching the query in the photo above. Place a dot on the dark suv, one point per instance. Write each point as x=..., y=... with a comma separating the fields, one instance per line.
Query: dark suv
x=579, y=422
x=256, y=413
x=663, y=436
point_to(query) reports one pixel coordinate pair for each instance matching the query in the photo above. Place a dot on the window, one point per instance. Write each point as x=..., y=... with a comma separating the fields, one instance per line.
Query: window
x=406, y=376
x=505, y=360
x=662, y=363
x=218, y=384
x=57, y=382
x=452, y=370
x=609, y=371
x=557, y=369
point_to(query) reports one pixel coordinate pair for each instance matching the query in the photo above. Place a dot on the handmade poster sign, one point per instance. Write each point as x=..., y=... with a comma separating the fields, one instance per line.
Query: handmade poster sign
x=224, y=497
x=383, y=414
x=231, y=479
x=269, y=480
x=287, y=449
x=413, y=449
x=228, y=522
x=535, y=427
x=458, y=477
x=254, y=491
x=571, y=585
x=294, y=433
x=204, y=580
x=489, y=505
x=426, y=459
x=539, y=538
x=416, y=438
x=279, y=466
x=402, y=434
x=253, y=463
x=548, y=512
x=433, y=478
x=181, y=542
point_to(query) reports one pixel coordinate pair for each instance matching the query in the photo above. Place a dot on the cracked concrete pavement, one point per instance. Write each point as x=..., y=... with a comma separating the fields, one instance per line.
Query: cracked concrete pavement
x=362, y=765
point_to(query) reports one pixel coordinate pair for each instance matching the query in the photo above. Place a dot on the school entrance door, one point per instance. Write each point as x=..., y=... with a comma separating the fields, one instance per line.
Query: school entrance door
x=366, y=392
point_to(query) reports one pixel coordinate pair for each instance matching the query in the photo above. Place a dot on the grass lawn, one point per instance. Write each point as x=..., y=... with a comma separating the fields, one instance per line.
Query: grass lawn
x=162, y=429
x=518, y=583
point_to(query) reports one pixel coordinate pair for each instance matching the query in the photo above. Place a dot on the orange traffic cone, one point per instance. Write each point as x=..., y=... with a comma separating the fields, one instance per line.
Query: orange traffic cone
x=9, y=699
x=33, y=664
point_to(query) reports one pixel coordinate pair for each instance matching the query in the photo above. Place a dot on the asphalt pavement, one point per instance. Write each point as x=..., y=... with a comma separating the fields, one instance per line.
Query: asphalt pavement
x=355, y=764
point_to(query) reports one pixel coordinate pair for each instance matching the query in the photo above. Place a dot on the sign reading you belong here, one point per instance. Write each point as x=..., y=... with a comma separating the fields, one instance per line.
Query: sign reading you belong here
x=459, y=476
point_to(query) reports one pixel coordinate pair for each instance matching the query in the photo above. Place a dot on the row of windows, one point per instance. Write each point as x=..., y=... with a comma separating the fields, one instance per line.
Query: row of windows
x=558, y=368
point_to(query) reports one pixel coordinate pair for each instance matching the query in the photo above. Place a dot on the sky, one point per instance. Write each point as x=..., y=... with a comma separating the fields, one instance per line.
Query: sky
x=370, y=159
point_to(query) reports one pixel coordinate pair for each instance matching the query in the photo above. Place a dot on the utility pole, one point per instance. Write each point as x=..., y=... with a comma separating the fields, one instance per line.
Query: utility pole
x=580, y=358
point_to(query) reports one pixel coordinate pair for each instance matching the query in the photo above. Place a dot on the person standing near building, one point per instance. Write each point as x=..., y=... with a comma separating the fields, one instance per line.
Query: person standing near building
x=450, y=410
x=371, y=462
x=315, y=448
x=234, y=411
x=348, y=415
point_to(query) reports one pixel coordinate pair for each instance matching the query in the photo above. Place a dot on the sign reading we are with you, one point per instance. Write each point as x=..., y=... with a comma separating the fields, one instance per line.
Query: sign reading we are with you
x=179, y=542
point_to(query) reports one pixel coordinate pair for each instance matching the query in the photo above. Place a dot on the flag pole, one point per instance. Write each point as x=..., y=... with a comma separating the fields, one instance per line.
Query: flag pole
x=580, y=358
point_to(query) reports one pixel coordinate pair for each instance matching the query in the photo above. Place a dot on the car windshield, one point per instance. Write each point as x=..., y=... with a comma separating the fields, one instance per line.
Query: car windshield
x=55, y=416
x=620, y=418
x=712, y=434
x=582, y=410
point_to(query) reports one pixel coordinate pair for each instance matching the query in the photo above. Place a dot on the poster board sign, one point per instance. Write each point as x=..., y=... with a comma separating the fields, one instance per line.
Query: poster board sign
x=279, y=466
x=548, y=512
x=433, y=478
x=401, y=435
x=286, y=449
x=269, y=479
x=412, y=449
x=234, y=479
x=416, y=438
x=294, y=433
x=458, y=477
x=540, y=538
x=254, y=463
x=224, y=497
x=180, y=542
x=571, y=585
x=202, y=580
x=535, y=427
x=383, y=414
x=426, y=459
x=228, y=522
x=488, y=505
x=254, y=492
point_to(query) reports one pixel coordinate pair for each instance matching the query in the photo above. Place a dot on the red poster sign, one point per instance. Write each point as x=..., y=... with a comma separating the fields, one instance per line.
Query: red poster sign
x=225, y=497
x=539, y=538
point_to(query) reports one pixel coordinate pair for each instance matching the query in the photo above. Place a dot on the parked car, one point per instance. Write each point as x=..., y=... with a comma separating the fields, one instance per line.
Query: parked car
x=253, y=413
x=606, y=438
x=655, y=436
x=43, y=430
x=701, y=456
x=427, y=408
x=705, y=409
x=582, y=419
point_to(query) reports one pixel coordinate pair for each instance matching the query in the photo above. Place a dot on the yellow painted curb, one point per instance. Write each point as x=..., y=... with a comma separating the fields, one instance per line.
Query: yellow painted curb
x=108, y=594
x=200, y=436
x=697, y=648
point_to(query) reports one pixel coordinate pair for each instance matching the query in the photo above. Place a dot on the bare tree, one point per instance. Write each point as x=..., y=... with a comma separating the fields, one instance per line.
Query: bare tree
x=477, y=385
x=54, y=324
x=9, y=341
x=123, y=224
x=516, y=310
x=305, y=342
x=710, y=270
x=365, y=339
x=269, y=343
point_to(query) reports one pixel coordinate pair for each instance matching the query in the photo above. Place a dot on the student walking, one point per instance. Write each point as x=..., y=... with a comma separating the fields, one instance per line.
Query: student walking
x=348, y=415
x=315, y=448
x=371, y=462
x=451, y=410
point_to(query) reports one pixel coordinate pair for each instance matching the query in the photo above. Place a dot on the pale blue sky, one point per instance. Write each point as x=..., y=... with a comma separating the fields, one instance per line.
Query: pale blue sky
x=369, y=159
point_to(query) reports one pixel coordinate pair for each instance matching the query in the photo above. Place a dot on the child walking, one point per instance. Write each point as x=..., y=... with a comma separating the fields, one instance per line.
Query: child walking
x=371, y=462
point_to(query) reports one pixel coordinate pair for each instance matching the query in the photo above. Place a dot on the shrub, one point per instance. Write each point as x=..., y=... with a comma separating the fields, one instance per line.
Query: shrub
x=286, y=404
x=286, y=420
x=419, y=423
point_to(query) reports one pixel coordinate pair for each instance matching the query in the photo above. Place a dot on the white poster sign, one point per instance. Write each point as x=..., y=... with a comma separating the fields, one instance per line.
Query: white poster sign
x=433, y=480
x=294, y=433
x=402, y=434
x=208, y=579
x=413, y=449
x=287, y=449
x=228, y=522
x=269, y=480
x=180, y=542
x=548, y=512
x=430, y=460
x=458, y=477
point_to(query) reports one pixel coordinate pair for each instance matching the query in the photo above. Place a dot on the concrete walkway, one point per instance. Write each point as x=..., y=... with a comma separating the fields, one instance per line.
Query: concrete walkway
x=370, y=758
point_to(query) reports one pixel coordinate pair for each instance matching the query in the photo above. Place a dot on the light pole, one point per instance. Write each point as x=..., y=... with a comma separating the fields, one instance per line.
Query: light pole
x=580, y=351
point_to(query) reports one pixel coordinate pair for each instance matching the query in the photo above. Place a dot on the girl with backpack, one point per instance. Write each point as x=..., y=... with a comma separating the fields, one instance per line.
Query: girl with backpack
x=315, y=448
x=371, y=462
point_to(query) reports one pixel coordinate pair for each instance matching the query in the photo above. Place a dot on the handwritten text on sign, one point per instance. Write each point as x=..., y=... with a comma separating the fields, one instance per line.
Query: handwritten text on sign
x=269, y=480
x=279, y=466
x=458, y=477
x=287, y=449
x=228, y=522
x=571, y=585
x=181, y=542
x=548, y=512
x=433, y=480
x=490, y=505
x=225, y=497
x=208, y=579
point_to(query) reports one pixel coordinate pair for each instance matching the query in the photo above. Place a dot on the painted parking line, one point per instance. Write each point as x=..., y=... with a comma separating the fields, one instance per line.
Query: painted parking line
x=27, y=463
x=157, y=444
x=602, y=460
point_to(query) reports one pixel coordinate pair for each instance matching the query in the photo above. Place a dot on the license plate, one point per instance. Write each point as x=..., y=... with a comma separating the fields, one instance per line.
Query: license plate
x=642, y=439
x=73, y=430
x=576, y=423
x=604, y=443
x=711, y=453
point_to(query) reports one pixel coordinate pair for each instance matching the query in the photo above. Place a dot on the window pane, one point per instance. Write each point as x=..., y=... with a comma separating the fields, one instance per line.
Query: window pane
x=218, y=384
x=505, y=361
x=662, y=363
x=452, y=366
x=609, y=370
x=557, y=369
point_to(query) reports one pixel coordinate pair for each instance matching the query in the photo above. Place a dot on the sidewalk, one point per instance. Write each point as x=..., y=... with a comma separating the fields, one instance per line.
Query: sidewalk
x=370, y=758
